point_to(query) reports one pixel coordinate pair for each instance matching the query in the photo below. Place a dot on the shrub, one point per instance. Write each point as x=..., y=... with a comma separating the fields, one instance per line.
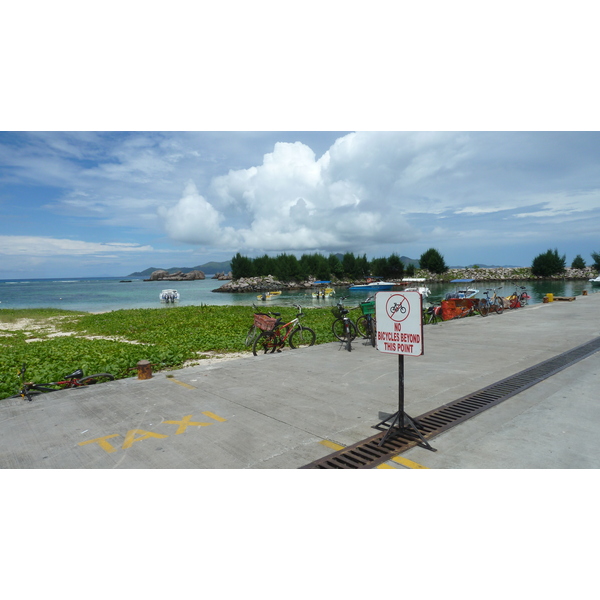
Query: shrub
x=578, y=262
x=596, y=259
x=547, y=264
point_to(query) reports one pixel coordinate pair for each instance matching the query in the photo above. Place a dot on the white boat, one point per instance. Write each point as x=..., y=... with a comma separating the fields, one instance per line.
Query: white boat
x=377, y=286
x=463, y=290
x=169, y=296
x=423, y=290
x=595, y=280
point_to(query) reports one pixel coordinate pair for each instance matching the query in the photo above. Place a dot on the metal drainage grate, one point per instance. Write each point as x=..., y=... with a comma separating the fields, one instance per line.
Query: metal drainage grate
x=368, y=453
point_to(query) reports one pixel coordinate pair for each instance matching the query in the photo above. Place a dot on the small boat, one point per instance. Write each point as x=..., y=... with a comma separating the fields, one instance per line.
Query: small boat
x=169, y=296
x=268, y=295
x=423, y=290
x=463, y=290
x=374, y=285
x=325, y=293
x=595, y=280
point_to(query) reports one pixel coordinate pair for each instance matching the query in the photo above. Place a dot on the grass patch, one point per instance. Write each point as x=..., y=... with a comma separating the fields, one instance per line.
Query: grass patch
x=165, y=337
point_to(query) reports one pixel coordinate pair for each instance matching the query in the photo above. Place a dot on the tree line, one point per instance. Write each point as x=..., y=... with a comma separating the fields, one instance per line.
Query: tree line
x=287, y=267
x=551, y=263
x=348, y=266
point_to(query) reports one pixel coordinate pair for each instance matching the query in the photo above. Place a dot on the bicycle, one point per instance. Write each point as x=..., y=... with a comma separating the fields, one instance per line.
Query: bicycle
x=275, y=333
x=366, y=325
x=518, y=298
x=432, y=314
x=255, y=330
x=495, y=303
x=73, y=380
x=474, y=305
x=343, y=328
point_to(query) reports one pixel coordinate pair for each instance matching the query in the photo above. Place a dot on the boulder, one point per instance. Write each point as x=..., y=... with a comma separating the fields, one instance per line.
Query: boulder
x=158, y=275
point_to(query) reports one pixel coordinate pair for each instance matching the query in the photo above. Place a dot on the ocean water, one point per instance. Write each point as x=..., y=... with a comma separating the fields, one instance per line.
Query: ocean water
x=106, y=293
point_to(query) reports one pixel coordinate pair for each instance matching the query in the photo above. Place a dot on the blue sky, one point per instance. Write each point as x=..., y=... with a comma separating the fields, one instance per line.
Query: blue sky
x=93, y=203
x=373, y=131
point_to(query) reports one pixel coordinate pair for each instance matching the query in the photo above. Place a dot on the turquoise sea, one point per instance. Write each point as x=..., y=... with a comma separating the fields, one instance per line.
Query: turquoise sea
x=109, y=293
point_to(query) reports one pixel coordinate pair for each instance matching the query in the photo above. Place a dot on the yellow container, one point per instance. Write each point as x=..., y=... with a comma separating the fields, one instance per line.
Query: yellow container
x=550, y=297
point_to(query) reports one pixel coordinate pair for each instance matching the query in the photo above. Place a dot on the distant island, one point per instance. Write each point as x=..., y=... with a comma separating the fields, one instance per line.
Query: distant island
x=209, y=268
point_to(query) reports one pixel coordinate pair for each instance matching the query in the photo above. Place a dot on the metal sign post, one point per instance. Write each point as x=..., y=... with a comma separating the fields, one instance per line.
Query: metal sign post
x=400, y=331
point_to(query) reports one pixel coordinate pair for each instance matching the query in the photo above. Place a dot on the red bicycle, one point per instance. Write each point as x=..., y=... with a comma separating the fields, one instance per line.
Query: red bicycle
x=75, y=379
x=275, y=333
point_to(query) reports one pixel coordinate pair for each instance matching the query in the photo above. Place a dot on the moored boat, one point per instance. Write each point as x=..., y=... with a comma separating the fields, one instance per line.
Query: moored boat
x=169, y=296
x=463, y=290
x=423, y=290
x=268, y=295
x=595, y=280
x=374, y=285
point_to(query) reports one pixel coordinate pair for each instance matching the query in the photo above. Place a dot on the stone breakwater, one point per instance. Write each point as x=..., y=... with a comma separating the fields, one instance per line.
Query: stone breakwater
x=503, y=274
x=270, y=283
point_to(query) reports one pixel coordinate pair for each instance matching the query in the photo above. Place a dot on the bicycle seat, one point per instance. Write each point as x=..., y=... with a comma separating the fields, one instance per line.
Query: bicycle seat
x=276, y=314
x=75, y=374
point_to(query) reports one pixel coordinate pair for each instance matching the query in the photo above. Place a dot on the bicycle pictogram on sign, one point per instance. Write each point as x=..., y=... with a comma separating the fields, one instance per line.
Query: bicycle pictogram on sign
x=397, y=308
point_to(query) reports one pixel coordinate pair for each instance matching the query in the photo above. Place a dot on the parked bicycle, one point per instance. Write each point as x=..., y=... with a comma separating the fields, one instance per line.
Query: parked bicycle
x=518, y=298
x=495, y=303
x=432, y=314
x=75, y=379
x=343, y=328
x=275, y=333
x=255, y=330
x=366, y=324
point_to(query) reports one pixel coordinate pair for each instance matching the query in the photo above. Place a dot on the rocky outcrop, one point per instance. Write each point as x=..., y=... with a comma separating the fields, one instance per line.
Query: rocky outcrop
x=261, y=284
x=269, y=283
x=223, y=276
x=162, y=275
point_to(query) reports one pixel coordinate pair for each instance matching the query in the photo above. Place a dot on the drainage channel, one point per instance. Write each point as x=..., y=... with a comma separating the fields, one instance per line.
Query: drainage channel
x=369, y=453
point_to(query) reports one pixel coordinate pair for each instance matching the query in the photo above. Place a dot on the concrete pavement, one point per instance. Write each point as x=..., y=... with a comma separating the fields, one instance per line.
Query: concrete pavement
x=289, y=409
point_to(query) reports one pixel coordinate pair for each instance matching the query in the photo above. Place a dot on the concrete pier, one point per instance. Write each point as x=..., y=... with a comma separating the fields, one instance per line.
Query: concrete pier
x=286, y=410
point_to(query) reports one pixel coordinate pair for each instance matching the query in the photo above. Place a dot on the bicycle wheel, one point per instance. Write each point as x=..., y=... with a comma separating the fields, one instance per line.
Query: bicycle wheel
x=28, y=395
x=362, y=326
x=253, y=332
x=498, y=306
x=348, y=337
x=98, y=378
x=484, y=308
x=523, y=299
x=337, y=327
x=373, y=332
x=302, y=337
x=264, y=343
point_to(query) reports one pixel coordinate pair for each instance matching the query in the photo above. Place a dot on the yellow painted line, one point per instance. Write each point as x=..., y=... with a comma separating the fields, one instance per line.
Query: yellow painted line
x=331, y=445
x=212, y=415
x=401, y=461
x=186, y=385
x=408, y=463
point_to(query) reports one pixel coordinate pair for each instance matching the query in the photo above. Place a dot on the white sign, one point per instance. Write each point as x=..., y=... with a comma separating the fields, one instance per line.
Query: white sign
x=399, y=318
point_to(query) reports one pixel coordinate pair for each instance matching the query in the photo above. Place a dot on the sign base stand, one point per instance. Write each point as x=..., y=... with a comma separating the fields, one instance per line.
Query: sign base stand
x=401, y=422
x=408, y=426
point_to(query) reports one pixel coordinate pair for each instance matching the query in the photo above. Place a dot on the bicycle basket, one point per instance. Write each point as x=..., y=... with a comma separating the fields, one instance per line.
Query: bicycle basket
x=336, y=312
x=265, y=323
x=368, y=308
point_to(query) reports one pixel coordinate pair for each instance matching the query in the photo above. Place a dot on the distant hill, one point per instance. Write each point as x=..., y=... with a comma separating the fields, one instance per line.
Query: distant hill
x=209, y=268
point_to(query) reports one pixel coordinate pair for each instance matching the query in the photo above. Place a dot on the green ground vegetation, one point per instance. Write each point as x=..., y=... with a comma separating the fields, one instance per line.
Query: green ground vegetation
x=168, y=338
